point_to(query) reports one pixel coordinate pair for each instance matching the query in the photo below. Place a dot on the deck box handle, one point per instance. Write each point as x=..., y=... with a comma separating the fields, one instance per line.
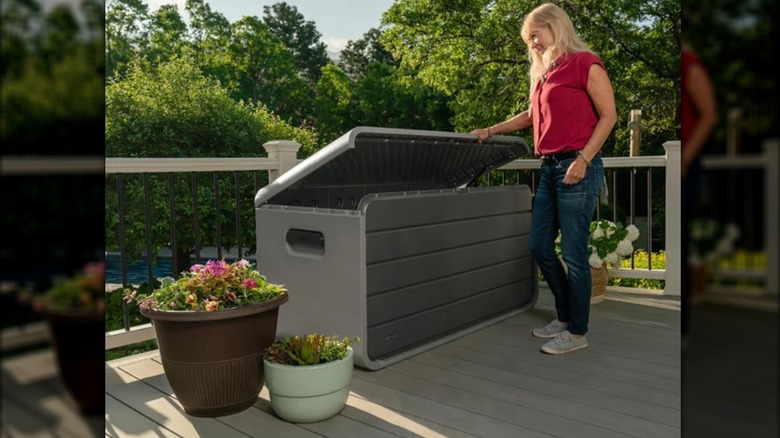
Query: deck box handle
x=305, y=242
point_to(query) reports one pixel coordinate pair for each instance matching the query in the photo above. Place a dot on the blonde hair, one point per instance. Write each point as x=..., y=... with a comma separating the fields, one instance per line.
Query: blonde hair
x=565, y=39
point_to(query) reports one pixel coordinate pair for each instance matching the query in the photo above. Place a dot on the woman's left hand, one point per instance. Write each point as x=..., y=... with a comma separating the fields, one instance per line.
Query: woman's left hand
x=576, y=172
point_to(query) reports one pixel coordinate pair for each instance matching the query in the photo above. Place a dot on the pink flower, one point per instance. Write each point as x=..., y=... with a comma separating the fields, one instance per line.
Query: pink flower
x=243, y=264
x=250, y=283
x=231, y=296
x=215, y=268
x=196, y=268
x=211, y=306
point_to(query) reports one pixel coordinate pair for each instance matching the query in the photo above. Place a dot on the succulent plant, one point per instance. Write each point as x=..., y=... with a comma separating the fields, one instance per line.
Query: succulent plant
x=310, y=349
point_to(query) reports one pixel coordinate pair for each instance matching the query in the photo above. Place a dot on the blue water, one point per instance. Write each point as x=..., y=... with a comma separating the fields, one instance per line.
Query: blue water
x=137, y=273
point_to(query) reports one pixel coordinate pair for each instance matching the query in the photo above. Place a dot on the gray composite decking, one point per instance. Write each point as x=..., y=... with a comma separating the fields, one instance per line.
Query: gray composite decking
x=491, y=383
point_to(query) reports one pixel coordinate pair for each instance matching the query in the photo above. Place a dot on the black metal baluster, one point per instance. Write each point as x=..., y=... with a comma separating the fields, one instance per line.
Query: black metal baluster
x=218, y=216
x=122, y=248
x=174, y=247
x=148, y=222
x=195, y=222
x=237, y=180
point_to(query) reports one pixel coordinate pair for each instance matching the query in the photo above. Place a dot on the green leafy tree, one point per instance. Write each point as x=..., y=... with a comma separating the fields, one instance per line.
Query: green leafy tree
x=126, y=33
x=299, y=36
x=472, y=51
x=175, y=111
x=737, y=41
x=356, y=57
x=62, y=31
x=18, y=18
x=168, y=34
x=388, y=97
x=52, y=83
x=333, y=104
x=209, y=32
x=258, y=68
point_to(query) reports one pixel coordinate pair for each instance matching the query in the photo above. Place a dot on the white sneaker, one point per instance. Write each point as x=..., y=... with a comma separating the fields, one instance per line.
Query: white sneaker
x=564, y=343
x=551, y=330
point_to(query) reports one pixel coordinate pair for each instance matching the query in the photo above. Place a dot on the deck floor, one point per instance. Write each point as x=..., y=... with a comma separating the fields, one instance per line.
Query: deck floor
x=491, y=383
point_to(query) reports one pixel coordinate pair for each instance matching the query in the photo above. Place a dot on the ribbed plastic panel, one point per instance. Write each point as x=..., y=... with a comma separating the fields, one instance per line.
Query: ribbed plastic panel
x=380, y=160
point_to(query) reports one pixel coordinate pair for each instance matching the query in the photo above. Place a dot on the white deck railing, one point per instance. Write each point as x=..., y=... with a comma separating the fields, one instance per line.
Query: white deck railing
x=767, y=162
x=282, y=156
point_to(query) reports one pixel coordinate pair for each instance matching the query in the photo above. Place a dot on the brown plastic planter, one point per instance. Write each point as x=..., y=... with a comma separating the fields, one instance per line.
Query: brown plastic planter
x=79, y=343
x=214, y=360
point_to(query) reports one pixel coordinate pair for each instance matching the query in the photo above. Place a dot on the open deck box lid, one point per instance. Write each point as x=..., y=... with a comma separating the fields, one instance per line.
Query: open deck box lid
x=389, y=159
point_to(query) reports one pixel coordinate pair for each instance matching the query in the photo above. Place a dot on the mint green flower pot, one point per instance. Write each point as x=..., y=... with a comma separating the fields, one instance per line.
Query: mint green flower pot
x=305, y=394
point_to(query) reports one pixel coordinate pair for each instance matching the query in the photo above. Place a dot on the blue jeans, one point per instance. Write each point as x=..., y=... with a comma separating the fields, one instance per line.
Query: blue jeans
x=568, y=208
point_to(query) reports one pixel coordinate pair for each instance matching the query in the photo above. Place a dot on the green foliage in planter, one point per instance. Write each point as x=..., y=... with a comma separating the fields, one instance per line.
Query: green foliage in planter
x=85, y=290
x=311, y=349
x=641, y=262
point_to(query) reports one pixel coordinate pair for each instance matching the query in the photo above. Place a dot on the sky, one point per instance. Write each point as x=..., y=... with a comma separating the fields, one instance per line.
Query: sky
x=337, y=20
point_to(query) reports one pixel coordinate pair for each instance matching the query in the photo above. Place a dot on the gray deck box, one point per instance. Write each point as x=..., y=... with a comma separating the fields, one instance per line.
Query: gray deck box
x=377, y=235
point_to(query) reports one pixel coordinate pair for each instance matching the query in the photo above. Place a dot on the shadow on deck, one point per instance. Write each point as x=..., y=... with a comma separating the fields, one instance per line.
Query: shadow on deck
x=491, y=383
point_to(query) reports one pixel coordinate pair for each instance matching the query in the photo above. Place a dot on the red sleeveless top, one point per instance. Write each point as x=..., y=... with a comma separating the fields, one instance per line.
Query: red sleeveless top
x=563, y=115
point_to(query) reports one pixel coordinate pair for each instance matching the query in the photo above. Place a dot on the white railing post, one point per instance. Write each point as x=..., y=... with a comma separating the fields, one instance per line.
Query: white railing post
x=285, y=152
x=772, y=215
x=674, y=262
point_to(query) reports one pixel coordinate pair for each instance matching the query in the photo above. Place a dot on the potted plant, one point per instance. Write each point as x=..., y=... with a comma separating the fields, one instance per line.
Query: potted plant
x=212, y=325
x=607, y=244
x=709, y=241
x=308, y=376
x=74, y=311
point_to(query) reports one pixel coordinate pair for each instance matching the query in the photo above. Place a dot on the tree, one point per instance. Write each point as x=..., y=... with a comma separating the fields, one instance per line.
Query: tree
x=736, y=41
x=168, y=34
x=471, y=50
x=126, y=34
x=333, y=104
x=18, y=18
x=52, y=84
x=391, y=97
x=175, y=111
x=258, y=68
x=299, y=36
x=356, y=57
x=209, y=31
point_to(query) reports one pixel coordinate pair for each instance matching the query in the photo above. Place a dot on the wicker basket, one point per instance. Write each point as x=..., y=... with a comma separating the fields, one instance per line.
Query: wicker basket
x=598, y=283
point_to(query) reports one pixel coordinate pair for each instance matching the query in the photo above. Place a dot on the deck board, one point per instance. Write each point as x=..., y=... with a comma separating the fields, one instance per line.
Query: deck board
x=35, y=402
x=491, y=383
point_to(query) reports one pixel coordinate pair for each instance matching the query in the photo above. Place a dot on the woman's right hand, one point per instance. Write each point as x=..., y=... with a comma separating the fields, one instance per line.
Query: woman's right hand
x=482, y=134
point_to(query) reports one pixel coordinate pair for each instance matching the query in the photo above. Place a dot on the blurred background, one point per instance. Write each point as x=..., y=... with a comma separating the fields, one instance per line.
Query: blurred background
x=730, y=384
x=51, y=129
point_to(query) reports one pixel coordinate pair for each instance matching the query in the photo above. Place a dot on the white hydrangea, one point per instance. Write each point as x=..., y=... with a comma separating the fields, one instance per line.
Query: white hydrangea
x=625, y=248
x=710, y=241
x=724, y=247
x=598, y=233
x=732, y=232
x=633, y=232
x=595, y=260
x=611, y=258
